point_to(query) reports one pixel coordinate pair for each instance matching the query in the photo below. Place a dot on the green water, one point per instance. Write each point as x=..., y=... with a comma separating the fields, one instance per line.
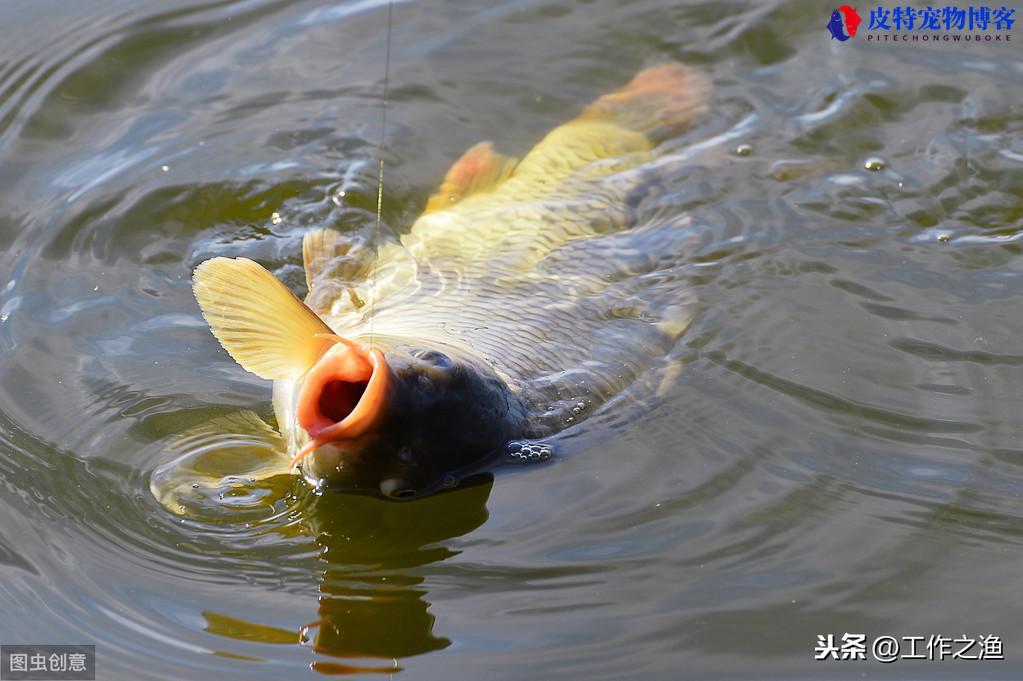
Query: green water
x=842, y=453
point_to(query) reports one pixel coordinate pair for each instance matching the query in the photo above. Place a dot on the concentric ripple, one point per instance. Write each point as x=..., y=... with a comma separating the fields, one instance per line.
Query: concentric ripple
x=834, y=446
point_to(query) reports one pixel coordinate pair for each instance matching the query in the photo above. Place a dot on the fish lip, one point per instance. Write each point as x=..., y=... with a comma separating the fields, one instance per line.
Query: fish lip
x=354, y=363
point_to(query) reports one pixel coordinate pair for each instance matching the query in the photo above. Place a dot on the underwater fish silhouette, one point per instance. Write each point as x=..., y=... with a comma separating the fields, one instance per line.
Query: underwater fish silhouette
x=513, y=307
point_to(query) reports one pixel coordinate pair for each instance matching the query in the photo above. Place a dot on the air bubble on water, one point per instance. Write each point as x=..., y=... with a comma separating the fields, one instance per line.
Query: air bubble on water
x=275, y=218
x=744, y=150
x=195, y=485
x=164, y=168
x=530, y=452
x=339, y=197
x=95, y=288
x=875, y=163
x=944, y=238
x=569, y=420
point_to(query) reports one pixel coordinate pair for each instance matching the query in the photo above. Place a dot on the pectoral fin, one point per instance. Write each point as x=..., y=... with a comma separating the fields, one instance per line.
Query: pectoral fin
x=480, y=169
x=260, y=323
x=233, y=466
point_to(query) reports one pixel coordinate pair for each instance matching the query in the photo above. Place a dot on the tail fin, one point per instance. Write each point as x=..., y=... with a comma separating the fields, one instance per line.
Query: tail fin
x=624, y=124
x=658, y=102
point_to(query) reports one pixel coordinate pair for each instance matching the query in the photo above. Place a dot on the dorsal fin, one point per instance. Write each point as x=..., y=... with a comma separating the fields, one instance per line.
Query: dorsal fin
x=318, y=248
x=335, y=264
x=327, y=253
x=260, y=323
x=480, y=169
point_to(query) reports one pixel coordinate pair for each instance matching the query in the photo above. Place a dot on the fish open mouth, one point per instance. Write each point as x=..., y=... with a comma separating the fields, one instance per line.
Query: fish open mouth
x=339, y=398
x=344, y=393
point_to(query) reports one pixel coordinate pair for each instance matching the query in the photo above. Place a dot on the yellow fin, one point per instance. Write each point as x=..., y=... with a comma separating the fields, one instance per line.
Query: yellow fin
x=257, y=319
x=334, y=264
x=329, y=253
x=480, y=169
x=318, y=248
x=230, y=465
x=658, y=102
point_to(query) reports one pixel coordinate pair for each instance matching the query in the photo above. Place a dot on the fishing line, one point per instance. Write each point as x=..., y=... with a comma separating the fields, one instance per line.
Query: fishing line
x=380, y=172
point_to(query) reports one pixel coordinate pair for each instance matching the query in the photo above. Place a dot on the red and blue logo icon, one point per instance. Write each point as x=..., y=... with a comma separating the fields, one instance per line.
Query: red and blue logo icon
x=844, y=23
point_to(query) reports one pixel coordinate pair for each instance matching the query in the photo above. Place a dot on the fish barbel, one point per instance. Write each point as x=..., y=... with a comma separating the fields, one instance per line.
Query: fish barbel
x=513, y=307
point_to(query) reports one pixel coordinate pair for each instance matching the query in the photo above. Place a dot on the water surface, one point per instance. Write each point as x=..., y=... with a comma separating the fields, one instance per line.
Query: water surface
x=842, y=453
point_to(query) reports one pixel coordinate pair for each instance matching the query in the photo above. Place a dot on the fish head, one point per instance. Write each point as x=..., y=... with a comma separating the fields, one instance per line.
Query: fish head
x=397, y=416
x=402, y=420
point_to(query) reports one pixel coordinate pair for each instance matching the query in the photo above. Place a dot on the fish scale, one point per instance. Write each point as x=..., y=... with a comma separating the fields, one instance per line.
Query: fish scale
x=530, y=326
x=510, y=275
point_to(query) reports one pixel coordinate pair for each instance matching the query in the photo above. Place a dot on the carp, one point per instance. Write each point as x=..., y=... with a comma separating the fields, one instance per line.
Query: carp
x=515, y=306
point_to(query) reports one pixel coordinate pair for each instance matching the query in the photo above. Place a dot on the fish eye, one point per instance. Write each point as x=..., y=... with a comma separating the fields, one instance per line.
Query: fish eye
x=438, y=359
x=397, y=489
